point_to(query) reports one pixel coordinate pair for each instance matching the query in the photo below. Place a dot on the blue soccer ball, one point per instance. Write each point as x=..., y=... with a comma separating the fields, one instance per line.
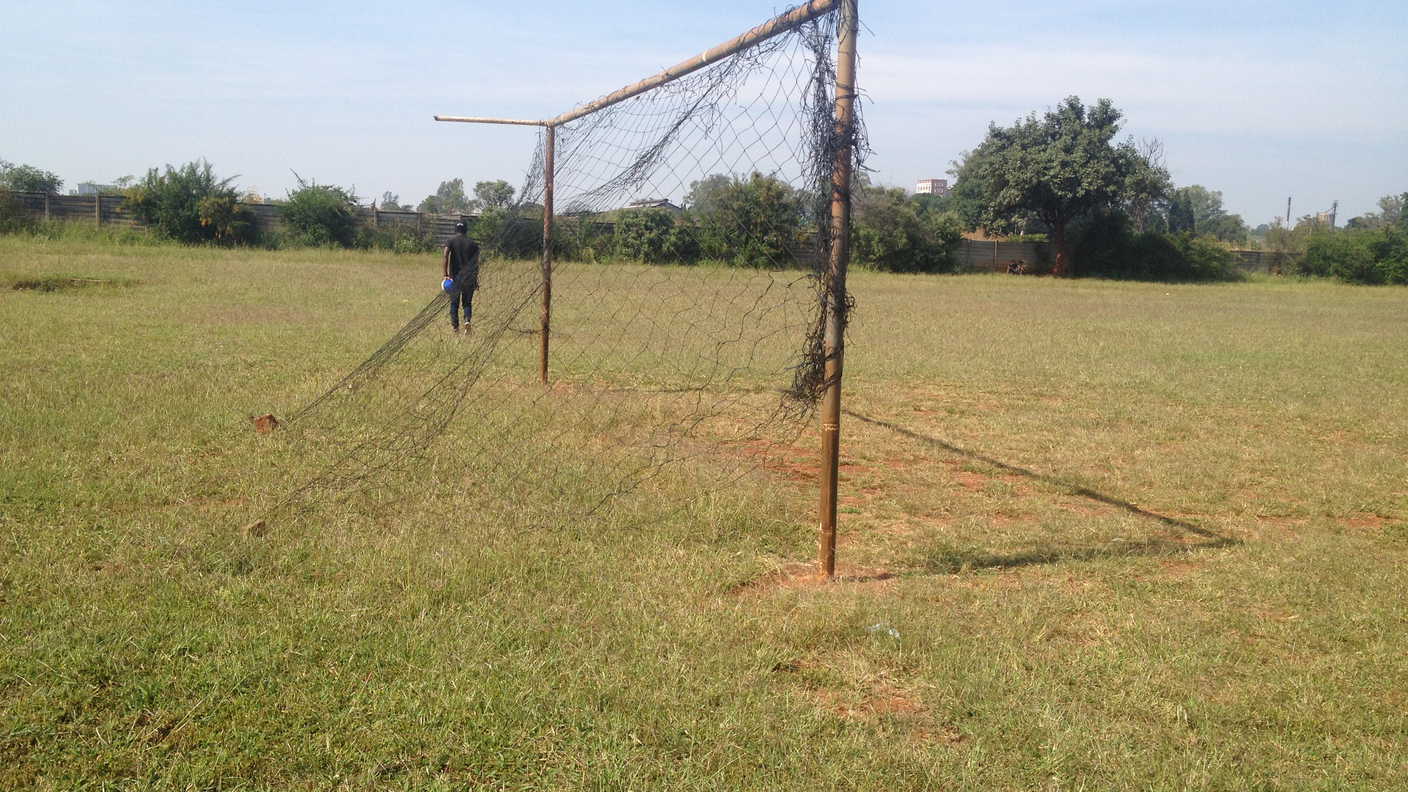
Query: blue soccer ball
x=448, y=284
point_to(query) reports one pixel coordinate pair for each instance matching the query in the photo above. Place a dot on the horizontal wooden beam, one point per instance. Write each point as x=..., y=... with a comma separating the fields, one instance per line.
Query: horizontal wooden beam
x=470, y=120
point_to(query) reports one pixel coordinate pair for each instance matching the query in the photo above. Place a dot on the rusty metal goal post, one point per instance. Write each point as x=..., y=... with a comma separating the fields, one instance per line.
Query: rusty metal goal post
x=672, y=274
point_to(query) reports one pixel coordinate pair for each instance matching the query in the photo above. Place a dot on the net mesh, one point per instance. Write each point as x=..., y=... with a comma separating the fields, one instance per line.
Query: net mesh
x=688, y=293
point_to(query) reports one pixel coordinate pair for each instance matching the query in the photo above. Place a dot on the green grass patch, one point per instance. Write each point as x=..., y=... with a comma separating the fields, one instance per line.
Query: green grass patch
x=1094, y=535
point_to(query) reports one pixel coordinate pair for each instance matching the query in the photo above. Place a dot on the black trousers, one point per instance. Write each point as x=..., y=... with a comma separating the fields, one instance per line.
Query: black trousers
x=457, y=299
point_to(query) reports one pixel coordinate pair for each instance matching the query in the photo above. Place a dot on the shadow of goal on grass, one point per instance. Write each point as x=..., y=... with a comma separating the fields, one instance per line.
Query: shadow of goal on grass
x=949, y=559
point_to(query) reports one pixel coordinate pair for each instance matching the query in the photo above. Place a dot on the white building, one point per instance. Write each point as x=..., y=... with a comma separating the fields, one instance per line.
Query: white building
x=937, y=187
x=655, y=203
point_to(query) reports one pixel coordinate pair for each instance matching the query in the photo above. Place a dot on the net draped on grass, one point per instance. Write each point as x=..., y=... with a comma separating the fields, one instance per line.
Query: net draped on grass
x=681, y=340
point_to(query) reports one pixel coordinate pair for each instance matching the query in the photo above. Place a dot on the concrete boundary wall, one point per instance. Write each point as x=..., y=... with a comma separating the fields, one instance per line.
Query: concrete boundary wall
x=1265, y=262
x=108, y=210
x=971, y=254
x=995, y=256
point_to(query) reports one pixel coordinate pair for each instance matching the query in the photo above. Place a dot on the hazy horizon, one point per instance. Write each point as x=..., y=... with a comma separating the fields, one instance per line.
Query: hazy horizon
x=1257, y=101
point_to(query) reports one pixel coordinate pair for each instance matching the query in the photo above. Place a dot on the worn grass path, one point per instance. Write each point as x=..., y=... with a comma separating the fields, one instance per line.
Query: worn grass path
x=1097, y=535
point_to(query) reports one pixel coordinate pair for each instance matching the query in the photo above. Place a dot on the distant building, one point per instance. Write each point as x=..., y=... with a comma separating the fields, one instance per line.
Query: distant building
x=937, y=187
x=93, y=188
x=655, y=203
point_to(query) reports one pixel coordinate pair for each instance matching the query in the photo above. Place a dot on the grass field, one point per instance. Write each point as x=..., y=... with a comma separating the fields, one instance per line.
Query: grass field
x=1095, y=535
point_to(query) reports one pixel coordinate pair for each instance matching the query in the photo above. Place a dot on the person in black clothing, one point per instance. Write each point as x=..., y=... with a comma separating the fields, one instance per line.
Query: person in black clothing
x=461, y=264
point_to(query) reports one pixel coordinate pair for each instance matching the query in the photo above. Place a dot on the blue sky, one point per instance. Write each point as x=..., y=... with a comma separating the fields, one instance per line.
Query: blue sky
x=1259, y=100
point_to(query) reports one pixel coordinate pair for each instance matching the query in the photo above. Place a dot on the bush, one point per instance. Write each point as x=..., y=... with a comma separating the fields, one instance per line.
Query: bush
x=89, y=233
x=1108, y=247
x=188, y=204
x=13, y=217
x=395, y=237
x=653, y=236
x=1373, y=257
x=888, y=234
x=752, y=223
x=581, y=239
x=1202, y=257
x=320, y=215
x=510, y=234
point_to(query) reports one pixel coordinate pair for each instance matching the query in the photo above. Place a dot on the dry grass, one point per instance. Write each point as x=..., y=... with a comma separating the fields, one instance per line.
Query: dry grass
x=1098, y=535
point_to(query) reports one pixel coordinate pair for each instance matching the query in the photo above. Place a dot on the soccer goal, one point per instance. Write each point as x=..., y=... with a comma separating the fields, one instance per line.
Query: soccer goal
x=666, y=292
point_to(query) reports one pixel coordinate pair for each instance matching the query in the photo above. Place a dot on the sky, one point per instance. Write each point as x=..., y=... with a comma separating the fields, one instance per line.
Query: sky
x=1261, y=101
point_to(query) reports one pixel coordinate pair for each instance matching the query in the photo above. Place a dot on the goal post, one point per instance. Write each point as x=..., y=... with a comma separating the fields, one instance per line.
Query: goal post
x=834, y=298
x=670, y=382
x=835, y=305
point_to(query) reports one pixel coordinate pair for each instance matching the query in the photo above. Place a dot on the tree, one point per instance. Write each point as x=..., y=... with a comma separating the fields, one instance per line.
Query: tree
x=391, y=202
x=1391, y=209
x=890, y=233
x=1110, y=247
x=752, y=222
x=653, y=236
x=1055, y=168
x=492, y=195
x=27, y=178
x=448, y=199
x=1197, y=209
x=1390, y=213
x=968, y=196
x=1180, y=213
x=1368, y=256
x=189, y=204
x=700, y=198
x=1148, y=182
x=926, y=204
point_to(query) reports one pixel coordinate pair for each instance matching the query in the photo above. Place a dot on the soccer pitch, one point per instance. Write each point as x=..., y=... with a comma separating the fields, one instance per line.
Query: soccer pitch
x=1093, y=535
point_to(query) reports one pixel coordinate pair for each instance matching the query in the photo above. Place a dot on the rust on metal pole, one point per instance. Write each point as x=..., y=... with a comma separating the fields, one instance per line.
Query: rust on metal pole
x=775, y=27
x=836, y=283
x=548, y=141
x=472, y=120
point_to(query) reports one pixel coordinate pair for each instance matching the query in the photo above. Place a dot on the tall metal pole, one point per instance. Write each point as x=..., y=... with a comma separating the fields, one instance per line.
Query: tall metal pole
x=547, y=252
x=836, y=292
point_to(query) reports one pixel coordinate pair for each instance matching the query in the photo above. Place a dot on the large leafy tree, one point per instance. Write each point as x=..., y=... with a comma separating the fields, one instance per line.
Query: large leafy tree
x=27, y=178
x=1055, y=168
x=968, y=198
x=1181, y=214
x=751, y=222
x=391, y=202
x=700, y=198
x=448, y=199
x=1390, y=213
x=493, y=194
x=1197, y=209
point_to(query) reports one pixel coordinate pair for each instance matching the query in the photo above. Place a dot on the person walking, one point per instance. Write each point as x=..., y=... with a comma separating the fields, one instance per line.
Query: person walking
x=462, y=266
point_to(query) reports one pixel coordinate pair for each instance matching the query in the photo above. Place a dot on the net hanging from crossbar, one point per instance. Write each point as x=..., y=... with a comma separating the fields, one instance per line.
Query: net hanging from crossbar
x=691, y=233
